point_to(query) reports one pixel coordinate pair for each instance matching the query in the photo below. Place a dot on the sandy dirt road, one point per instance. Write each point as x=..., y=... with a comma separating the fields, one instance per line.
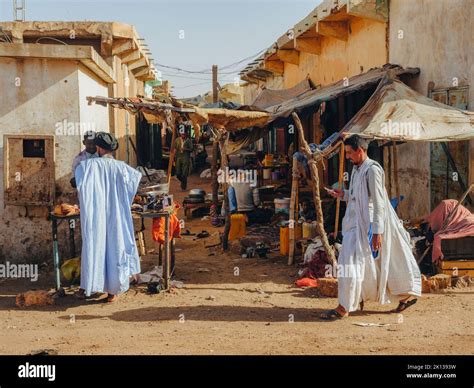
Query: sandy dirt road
x=257, y=312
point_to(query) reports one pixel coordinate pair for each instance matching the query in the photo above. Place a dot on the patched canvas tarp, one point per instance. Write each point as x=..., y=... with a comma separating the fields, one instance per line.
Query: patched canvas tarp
x=341, y=88
x=271, y=97
x=397, y=112
x=244, y=138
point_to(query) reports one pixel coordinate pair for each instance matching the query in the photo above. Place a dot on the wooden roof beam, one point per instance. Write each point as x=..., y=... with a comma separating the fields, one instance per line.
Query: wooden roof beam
x=122, y=48
x=290, y=56
x=248, y=79
x=132, y=57
x=138, y=64
x=286, y=41
x=308, y=45
x=277, y=67
x=142, y=72
x=337, y=30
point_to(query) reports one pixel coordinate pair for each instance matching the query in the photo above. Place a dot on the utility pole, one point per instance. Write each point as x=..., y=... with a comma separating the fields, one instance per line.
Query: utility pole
x=214, y=84
x=19, y=10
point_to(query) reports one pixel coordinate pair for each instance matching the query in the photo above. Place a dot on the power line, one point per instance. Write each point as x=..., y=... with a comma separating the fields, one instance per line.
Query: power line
x=182, y=76
x=188, y=86
x=209, y=71
x=241, y=61
x=222, y=77
x=179, y=69
x=166, y=75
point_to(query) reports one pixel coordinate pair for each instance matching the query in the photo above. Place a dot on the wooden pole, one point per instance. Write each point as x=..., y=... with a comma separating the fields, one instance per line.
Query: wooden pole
x=224, y=165
x=214, y=84
x=395, y=174
x=215, y=184
x=340, y=186
x=172, y=152
x=293, y=211
x=316, y=195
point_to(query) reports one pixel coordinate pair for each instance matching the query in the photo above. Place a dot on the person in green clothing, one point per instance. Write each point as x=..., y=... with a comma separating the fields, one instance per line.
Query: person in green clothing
x=183, y=146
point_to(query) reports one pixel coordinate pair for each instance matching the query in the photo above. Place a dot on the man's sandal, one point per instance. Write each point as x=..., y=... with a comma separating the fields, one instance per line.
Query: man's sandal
x=331, y=315
x=402, y=306
x=111, y=298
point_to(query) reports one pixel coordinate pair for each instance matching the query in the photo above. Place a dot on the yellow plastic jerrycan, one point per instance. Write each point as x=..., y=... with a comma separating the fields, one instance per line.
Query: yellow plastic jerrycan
x=238, y=226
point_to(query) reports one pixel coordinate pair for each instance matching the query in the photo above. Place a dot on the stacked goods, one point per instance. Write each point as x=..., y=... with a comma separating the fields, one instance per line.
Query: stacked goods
x=425, y=285
x=435, y=283
x=268, y=161
x=463, y=282
x=34, y=298
x=65, y=209
x=328, y=287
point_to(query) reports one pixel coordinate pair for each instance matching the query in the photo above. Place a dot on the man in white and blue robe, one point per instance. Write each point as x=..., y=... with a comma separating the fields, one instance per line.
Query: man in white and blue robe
x=106, y=190
x=376, y=262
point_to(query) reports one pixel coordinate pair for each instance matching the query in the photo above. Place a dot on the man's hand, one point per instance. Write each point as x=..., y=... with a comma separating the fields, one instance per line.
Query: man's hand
x=336, y=193
x=376, y=242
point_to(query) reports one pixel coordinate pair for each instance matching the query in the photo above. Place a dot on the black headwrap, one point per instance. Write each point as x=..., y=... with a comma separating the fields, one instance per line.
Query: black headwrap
x=105, y=140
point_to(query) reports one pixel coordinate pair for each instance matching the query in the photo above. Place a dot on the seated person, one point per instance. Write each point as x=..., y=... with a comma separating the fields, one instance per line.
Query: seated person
x=232, y=200
x=303, y=167
x=248, y=199
x=307, y=212
x=246, y=196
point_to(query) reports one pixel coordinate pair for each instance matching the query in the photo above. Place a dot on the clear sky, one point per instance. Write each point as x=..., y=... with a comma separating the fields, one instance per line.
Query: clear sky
x=218, y=32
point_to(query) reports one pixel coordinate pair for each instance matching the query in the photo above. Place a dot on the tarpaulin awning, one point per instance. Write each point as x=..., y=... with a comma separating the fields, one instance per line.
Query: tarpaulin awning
x=343, y=87
x=397, y=112
x=157, y=112
x=271, y=97
x=233, y=120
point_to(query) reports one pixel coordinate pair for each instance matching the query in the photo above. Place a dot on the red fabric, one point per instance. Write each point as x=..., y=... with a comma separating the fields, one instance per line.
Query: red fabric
x=461, y=225
x=307, y=282
x=158, y=230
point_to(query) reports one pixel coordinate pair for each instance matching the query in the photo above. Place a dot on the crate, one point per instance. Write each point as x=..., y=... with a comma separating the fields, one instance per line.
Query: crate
x=458, y=248
x=457, y=267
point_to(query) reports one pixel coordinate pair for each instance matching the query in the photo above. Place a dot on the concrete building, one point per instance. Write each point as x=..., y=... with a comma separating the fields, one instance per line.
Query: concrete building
x=343, y=38
x=228, y=93
x=435, y=36
x=338, y=39
x=47, y=69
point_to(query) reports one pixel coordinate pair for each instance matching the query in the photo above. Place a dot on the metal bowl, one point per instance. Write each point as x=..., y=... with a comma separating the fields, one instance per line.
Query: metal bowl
x=198, y=196
x=197, y=192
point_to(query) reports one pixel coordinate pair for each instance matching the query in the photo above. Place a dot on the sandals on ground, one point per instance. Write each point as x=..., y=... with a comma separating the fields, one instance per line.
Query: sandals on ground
x=81, y=294
x=331, y=315
x=402, y=306
x=112, y=298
